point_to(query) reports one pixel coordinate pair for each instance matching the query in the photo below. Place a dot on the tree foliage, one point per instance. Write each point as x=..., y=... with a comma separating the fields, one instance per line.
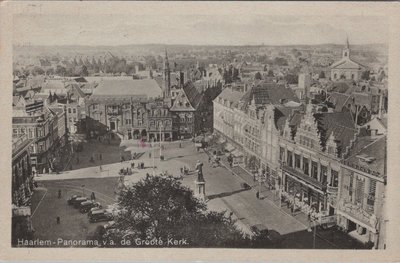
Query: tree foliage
x=365, y=75
x=160, y=208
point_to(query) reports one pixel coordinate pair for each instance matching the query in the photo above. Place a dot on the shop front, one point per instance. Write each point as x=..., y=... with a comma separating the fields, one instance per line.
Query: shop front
x=307, y=196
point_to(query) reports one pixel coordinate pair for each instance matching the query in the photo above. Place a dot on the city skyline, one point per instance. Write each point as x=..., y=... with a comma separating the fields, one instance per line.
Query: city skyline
x=66, y=30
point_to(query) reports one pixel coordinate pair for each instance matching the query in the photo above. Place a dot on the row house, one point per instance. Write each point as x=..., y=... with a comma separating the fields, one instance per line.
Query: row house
x=362, y=191
x=41, y=125
x=228, y=116
x=22, y=188
x=310, y=154
x=22, y=177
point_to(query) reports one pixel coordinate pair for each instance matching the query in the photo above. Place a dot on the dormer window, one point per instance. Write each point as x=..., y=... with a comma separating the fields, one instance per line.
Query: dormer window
x=363, y=158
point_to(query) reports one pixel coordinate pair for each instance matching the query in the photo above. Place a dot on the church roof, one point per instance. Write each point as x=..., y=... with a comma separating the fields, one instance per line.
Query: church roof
x=347, y=63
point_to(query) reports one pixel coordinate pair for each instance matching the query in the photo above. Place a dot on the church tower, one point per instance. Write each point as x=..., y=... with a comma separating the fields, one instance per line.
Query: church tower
x=167, y=77
x=346, y=50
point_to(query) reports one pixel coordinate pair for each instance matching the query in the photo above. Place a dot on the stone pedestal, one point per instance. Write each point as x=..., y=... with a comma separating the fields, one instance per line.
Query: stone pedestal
x=200, y=191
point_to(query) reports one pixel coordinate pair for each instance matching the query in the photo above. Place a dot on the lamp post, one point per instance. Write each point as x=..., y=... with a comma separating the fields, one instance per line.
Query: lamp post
x=161, y=156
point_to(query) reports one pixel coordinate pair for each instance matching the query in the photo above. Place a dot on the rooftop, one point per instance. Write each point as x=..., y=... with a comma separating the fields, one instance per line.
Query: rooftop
x=375, y=152
x=127, y=87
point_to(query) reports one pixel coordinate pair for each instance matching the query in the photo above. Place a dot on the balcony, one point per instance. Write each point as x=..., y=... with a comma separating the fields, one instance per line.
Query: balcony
x=357, y=212
x=302, y=176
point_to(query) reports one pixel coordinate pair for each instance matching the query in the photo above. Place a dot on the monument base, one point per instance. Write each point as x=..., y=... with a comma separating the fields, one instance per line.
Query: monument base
x=200, y=191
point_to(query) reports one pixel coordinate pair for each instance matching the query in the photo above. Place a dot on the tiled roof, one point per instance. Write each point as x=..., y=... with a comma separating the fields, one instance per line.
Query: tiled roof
x=270, y=93
x=376, y=150
x=339, y=100
x=195, y=97
x=341, y=124
x=340, y=86
x=281, y=114
x=231, y=95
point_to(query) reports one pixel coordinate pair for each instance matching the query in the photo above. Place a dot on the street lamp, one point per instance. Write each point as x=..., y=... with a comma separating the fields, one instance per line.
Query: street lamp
x=312, y=221
x=161, y=156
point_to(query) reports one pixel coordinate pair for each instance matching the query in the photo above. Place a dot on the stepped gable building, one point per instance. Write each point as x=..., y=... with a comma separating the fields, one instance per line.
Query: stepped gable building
x=186, y=110
x=346, y=68
x=310, y=155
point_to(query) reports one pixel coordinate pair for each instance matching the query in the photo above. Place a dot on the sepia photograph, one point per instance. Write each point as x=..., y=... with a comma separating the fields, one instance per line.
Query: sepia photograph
x=198, y=130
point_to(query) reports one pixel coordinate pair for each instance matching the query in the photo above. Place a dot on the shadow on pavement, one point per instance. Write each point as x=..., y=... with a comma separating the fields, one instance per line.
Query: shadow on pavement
x=210, y=197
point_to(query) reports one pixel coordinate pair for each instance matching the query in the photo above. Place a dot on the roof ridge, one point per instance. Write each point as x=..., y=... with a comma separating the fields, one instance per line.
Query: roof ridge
x=366, y=146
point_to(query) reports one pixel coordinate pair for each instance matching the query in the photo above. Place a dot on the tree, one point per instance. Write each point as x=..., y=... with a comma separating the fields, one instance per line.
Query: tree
x=37, y=71
x=159, y=207
x=270, y=73
x=258, y=76
x=292, y=79
x=365, y=75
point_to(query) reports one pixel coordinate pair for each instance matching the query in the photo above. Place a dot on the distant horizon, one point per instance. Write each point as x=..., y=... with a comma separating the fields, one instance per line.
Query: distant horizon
x=197, y=30
x=196, y=45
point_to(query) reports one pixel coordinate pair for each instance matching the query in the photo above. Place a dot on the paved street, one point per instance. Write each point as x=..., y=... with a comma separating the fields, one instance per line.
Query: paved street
x=223, y=189
x=46, y=207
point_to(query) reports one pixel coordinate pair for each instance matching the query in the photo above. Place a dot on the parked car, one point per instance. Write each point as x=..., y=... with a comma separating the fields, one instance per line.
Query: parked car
x=77, y=202
x=72, y=199
x=99, y=216
x=94, y=209
x=87, y=205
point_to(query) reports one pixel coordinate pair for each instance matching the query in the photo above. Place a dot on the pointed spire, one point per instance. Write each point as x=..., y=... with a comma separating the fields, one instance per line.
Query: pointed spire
x=347, y=43
x=253, y=101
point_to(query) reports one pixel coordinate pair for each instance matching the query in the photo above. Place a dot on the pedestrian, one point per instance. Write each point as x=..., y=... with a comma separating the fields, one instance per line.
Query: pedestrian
x=181, y=170
x=101, y=168
x=142, y=165
x=58, y=220
x=59, y=193
x=92, y=196
x=258, y=195
x=180, y=145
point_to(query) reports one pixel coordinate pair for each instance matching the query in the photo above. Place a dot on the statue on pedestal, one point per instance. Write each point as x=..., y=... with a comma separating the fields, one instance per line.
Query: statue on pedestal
x=199, y=169
x=200, y=182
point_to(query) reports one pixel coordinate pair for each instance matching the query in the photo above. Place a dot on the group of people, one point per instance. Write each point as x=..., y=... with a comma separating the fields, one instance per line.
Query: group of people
x=214, y=160
x=184, y=170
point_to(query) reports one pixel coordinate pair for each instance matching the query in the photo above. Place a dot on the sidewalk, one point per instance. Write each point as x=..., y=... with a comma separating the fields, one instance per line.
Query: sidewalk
x=271, y=196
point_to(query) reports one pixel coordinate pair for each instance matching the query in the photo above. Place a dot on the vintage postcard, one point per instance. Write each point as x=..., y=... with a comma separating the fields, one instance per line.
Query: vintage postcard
x=153, y=130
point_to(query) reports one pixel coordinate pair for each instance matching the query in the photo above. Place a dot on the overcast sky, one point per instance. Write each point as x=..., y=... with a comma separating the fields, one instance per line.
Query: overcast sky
x=196, y=29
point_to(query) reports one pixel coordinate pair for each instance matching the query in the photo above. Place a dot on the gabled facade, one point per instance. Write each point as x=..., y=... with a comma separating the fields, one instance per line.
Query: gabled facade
x=310, y=155
x=346, y=68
